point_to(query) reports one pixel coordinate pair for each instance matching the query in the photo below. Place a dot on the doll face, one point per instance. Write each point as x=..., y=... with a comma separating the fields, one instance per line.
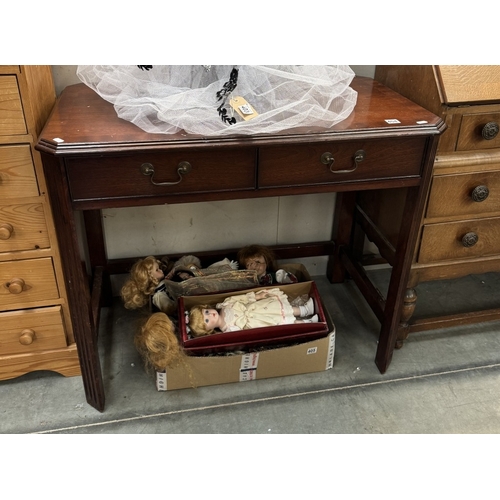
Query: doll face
x=257, y=263
x=211, y=318
x=156, y=272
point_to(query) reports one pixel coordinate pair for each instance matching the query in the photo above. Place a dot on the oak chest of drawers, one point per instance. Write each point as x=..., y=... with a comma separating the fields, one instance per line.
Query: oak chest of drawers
x=460, y=230
x=35, y=325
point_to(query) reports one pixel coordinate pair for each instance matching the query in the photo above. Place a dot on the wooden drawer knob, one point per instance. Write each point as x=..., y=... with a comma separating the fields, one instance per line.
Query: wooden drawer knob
x=6, y=231
x=15, y=285
x=490, y=131
x=480, y=193
x=469, y=239
x=27, y=337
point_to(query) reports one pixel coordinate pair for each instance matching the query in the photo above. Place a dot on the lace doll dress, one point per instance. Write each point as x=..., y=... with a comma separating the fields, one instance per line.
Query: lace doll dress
x=241, y=312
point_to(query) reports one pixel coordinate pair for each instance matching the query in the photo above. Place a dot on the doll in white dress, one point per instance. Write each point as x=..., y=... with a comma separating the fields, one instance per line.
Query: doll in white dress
x=251, y=310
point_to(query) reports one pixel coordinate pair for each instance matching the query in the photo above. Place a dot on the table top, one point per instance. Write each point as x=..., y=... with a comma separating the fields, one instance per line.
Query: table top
x=84, y=123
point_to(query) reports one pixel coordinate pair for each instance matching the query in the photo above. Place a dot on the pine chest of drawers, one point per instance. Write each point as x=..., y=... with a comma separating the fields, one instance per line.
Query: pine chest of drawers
x=35, y=325
x=460, y=229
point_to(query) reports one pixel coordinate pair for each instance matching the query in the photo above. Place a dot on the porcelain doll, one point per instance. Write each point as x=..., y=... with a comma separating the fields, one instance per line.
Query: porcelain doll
x=147, y=281
x=262, y=259
x=251, y=310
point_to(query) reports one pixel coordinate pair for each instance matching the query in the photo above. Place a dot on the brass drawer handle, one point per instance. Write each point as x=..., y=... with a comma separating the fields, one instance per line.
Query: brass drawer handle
x=328, y=159
x=469, y=239
x=6, y=231
x=183, y=168
x=490, y=131
x=27, y=337
x=480, y=193
x=16, y=285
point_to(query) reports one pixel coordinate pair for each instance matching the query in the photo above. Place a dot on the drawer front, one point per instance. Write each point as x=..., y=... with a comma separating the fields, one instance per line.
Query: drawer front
x=32, y=330
x=448, y=241
x=11, y=110
x=465, y=195
x=25, y=281
x=22, y=227
x=307, y=164
x=117, y=177
x=472, y=128
x=17, y=174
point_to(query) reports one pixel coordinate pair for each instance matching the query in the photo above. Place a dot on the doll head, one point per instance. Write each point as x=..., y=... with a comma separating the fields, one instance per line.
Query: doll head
x=157, y=343
x=144, y=278
x=258, y=258
x=197, y=322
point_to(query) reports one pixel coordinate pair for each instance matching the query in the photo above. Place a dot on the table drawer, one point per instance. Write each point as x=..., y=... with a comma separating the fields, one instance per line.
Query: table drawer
x=17, y=174
x=305, y=164
x=465, y=194
x=32, y=330
x=23, y=282
x=11, y=109
x=23, y=227
x=455, y=240
x=120, y=177
x=477, y=131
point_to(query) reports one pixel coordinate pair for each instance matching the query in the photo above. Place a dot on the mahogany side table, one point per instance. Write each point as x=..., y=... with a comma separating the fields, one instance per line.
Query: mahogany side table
x=95, y=160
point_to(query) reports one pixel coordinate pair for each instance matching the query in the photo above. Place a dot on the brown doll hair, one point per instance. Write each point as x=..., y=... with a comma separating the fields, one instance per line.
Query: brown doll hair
x=252, y=251
x=157, y=343
x=140, y=285
x=197, y=321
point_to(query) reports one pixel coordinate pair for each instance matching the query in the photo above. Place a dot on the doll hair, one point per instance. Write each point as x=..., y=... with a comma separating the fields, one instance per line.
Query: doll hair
x=140, y=285
x=197, y=321
x=157, y=343
x=251, y=251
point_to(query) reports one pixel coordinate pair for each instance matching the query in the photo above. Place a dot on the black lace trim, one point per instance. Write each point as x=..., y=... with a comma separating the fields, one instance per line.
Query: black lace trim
x=223, y=93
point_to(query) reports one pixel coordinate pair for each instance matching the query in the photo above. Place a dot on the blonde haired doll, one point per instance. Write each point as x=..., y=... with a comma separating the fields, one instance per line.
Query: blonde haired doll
x=146, y=281
x=251, y=310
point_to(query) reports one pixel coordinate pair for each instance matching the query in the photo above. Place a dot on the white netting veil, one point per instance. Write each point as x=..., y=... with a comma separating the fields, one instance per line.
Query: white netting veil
x=196, y=99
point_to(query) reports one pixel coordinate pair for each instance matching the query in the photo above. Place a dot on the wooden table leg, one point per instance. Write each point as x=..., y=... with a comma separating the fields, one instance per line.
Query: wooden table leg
x=77, y=283
x=98, y=258
x=398, y=281
x=407, y=239
x=341, y=234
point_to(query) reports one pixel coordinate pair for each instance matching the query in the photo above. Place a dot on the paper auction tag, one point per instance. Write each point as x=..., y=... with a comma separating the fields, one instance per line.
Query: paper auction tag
x=243, y=108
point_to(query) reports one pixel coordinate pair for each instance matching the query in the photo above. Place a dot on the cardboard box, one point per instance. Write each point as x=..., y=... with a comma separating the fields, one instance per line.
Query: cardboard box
x=244, y=340
x=198, y=371
x=299, y=270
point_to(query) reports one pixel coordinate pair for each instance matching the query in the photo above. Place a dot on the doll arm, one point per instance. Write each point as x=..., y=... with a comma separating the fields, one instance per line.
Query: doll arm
x=284, y=277
x=246, y=298
x=268, y=293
